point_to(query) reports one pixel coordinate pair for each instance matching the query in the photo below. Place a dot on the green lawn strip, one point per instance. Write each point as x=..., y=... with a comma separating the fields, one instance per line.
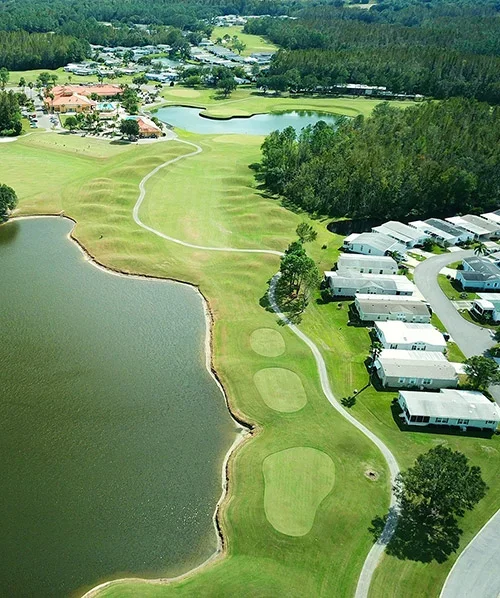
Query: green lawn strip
x=254, y=43
x=63, y=77
x=345, y=349
x=453, y=351
x=453, y=290
x=482, y=324
x=99, y=192
x=246, y=100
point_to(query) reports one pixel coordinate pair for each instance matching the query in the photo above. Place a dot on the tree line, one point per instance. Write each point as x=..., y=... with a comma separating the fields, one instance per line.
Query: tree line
x=434, y=48
x=432, y=159
x=10, y=114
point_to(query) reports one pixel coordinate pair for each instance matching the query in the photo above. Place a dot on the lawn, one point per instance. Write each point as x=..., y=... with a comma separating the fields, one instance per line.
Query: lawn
x=254, y=43
x=453, y=290
x=246, y=100
x=63, y=77
x=212, y=199
x=99, y=192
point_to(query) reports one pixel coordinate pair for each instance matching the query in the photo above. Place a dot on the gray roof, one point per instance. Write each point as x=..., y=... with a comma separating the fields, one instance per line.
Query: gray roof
x=399, y=230
x=416, y=364
x=350, y=279
x=375, y=262
x=433, y=231
x=392, y=304
x=451, y=403
x=470, y=225
x=477, y=220
x=446, y=227
x=481, y=269
x=379, y=241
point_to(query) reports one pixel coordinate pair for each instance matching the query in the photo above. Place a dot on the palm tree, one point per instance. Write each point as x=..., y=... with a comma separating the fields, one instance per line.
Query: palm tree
x=480, y=249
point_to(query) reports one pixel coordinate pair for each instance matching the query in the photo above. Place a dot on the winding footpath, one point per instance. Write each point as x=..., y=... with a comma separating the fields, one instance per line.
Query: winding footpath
x=378, y=548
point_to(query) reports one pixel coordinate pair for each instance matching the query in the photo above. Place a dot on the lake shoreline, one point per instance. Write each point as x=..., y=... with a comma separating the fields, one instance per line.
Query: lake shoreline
x=244, y=430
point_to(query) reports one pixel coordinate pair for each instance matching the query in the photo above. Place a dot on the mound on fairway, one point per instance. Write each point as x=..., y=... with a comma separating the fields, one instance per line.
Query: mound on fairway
x=280, y=389
x=296, y=481
x=267, y=342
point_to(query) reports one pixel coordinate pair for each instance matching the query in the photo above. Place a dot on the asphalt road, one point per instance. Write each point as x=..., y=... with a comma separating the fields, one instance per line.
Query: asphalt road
x=471, y=339
x=476, y=573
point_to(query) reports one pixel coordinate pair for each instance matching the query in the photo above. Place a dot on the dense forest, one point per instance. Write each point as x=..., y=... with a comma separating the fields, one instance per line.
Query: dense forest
x=432, y=159
x=22, y=51
x=436, y=48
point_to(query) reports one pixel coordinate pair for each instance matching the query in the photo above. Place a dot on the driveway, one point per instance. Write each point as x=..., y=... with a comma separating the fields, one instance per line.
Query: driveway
x=476, y=573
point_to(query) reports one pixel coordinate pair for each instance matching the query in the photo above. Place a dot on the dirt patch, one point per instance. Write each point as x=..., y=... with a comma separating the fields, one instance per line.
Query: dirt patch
x=372, y=475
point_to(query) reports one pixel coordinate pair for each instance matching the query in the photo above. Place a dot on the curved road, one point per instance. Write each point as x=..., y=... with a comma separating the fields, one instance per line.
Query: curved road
x=378, y=548
x=471, y=339
x=475, y=573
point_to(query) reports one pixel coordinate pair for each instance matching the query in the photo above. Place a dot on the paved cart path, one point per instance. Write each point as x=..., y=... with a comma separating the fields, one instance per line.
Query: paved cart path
x=377, y=550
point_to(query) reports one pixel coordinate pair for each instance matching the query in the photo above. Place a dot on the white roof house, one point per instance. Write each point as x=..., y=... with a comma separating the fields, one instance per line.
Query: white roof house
x=487, y=306
x=372, y=244
x=439, y=236
x=371, y=264
x=372, y=308
x=481, y=228
x=407, y=235
x=450, y=407
x=460, y=234
x=349, y=283
x=394, y=334
x=492, y=216
x=422, y=369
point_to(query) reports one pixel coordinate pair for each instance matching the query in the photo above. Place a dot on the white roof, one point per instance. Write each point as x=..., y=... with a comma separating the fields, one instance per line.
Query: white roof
x=377, y=240
x=432, y=230
x=351, y=279
x=400, y=231
x=357, y=260
x=490, y=296
x=396, y=332
x=451, y=403
x=484, y=304
x=470, y=226
x=492, y=216
x=416, y=364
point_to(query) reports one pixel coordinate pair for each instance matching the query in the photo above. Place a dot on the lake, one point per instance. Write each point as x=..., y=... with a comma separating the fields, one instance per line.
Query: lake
x=189, y=119
x=112, y=431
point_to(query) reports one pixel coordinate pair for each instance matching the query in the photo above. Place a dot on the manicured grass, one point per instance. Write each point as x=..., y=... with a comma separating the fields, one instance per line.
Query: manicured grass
x=453, y=291
x=221, y=205
x=212, y=198
x=62, y=77
x=254, y=43
x=267, y=342
x=296, y=482
x=246, y=101
x=280, y=389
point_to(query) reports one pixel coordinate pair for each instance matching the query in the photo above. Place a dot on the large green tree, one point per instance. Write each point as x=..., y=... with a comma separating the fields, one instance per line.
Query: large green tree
x=8, y=201
x=10, y=115
x=129, y=127
x=481, y=371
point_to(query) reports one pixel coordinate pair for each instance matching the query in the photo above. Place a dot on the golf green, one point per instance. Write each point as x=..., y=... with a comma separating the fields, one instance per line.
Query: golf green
x=267, y=342
x=280, y=389
x=296, y=482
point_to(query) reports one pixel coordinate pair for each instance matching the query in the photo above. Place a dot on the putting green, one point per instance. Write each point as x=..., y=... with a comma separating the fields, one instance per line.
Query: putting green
x=267, y=342
x=280, y=389
x=184, y=93
x=296, y=482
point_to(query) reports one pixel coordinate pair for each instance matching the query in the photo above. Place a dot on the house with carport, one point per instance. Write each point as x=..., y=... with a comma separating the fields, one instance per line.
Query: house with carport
x=463, y=409
x=349, y=283
x=369, y=264
x=481, y=229
x=415, y=369
x=373, y=308
x=402, y=233
x=452, y=234
x=479, y=274
x=372, y=244
x=409, y=336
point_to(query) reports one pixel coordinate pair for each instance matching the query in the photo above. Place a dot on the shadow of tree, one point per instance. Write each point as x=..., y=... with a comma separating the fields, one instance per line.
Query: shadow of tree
x=419, y=536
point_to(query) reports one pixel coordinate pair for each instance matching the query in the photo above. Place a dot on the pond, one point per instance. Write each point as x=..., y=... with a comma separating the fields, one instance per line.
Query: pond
x=112, y=431
x=189, y=119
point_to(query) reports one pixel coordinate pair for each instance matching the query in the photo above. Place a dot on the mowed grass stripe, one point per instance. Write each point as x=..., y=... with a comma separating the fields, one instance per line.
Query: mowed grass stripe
x=296, y=482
